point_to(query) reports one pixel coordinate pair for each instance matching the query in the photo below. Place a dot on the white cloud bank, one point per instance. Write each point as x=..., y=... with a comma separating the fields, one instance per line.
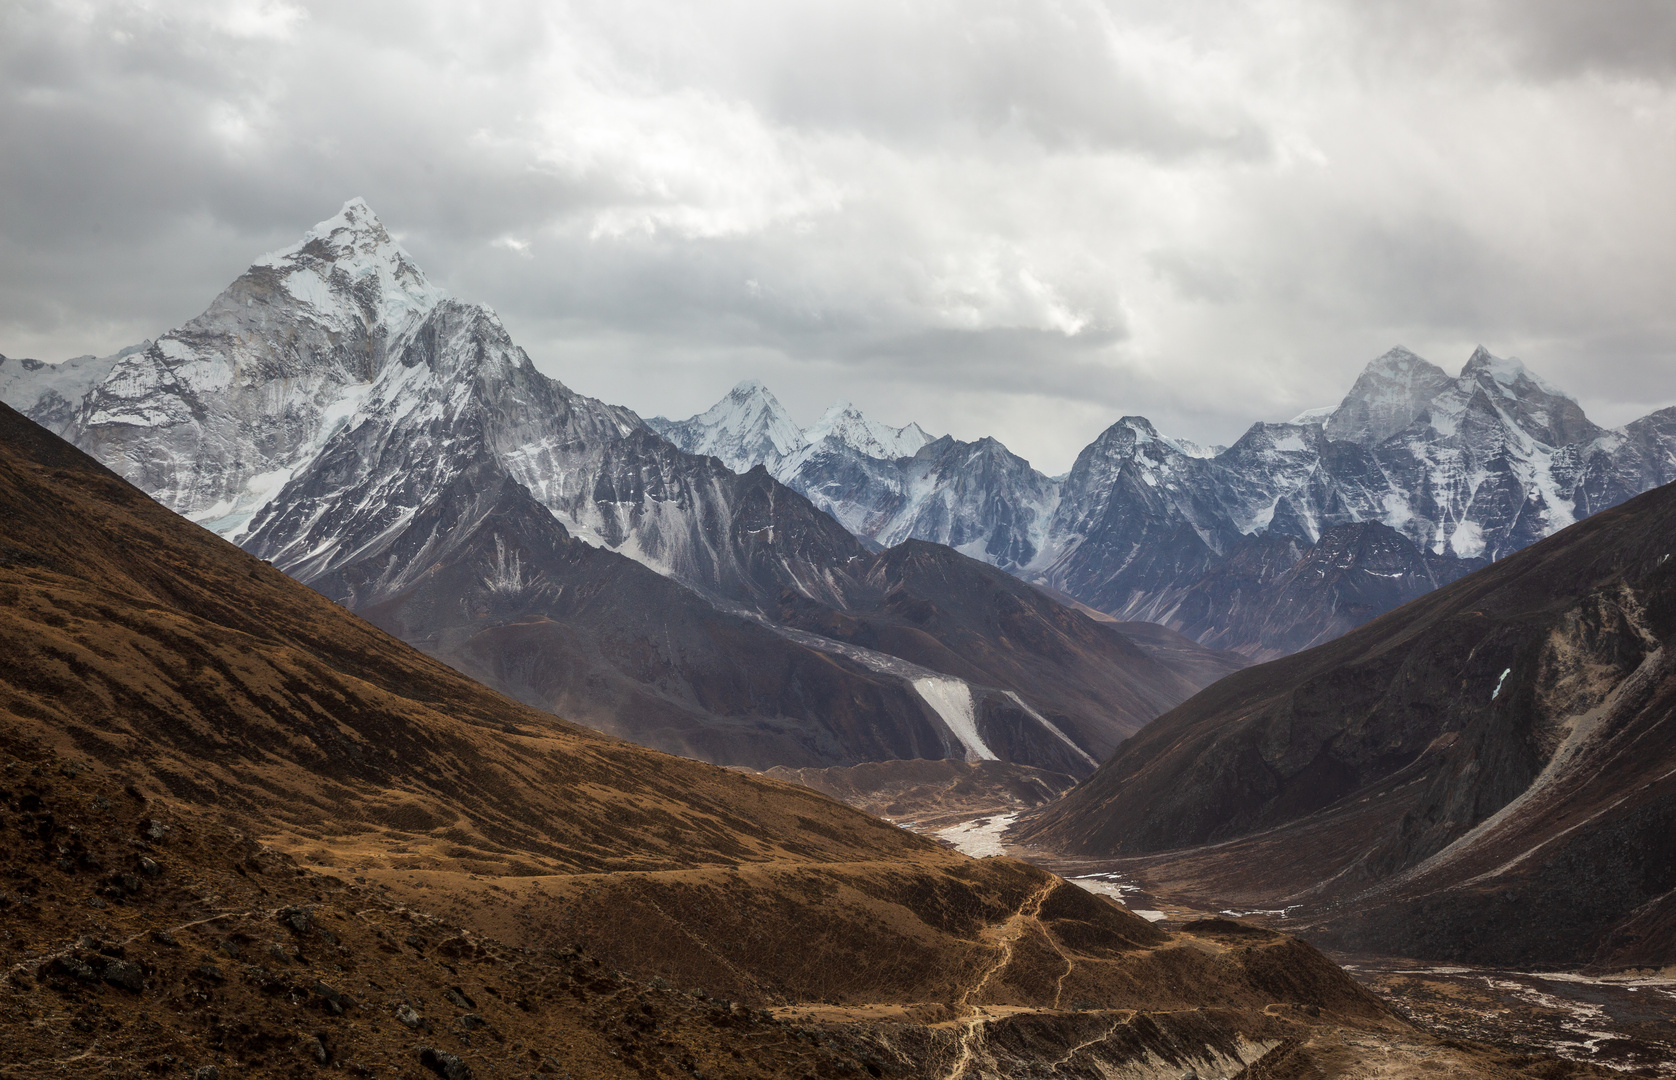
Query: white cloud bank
x=1021, y=219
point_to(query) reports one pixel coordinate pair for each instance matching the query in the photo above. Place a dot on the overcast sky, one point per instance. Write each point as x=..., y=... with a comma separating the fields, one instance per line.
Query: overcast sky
x=1020, y=219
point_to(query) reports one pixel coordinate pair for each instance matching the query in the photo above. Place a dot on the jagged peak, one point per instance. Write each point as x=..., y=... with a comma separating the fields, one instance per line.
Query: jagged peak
x=354, y=225
x=1398, y=360
x=1507, y=371
x=1315, y=417
x=356, y=242
x=838, y=410
x=746, y=427
x=1127, y=433
x=848, y=424
x=1391, y=391
x=750, y=403
x=1132, y=428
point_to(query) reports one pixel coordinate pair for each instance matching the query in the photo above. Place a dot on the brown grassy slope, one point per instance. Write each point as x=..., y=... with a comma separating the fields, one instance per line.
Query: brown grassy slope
x=142, y=941
x=207, y=950
x=150, y=672
x=141, y=641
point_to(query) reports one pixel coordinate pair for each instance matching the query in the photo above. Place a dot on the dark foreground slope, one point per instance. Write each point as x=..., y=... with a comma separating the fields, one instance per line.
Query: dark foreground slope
x=1487, y=773
x=247, y=834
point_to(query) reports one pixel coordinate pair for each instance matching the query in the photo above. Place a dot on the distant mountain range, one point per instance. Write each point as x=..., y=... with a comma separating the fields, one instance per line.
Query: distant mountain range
x=678, y=583
x=1293, y=535
x=335, y=413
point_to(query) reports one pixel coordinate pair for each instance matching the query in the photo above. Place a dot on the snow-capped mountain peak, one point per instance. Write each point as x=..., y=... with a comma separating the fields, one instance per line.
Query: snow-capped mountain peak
x=850, y=426
x=1509, y=374
x=747, y=427
x=214, y=416
x=1391, y=392
x=353, y=248
x=1525, y=400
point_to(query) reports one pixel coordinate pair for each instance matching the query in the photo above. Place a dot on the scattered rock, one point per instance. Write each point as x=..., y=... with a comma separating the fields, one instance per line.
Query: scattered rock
x=299, y=920
x=75, y=969
x=209, y=973
x=459, y=997
x=207, y=1072
x=163, y=937
x=335, y=999
x=125, y=974
x=459, y=945
x=444, y=1064
x=471, y=1022
x=316, y=1048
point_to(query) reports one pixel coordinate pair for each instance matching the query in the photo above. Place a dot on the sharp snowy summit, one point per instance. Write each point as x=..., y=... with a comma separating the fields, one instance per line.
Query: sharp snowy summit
x=337, y=414
x=750, y=427
x=212, y=418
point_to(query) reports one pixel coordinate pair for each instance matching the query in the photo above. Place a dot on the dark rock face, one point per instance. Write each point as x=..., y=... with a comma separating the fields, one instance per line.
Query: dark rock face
x=510, y=598
x=974, y=496
x=1353, y=574
x=1486, y=773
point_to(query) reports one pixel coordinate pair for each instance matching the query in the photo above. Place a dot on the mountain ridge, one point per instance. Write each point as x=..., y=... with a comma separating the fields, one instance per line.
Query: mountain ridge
x=338, y=415
x=1464, y=469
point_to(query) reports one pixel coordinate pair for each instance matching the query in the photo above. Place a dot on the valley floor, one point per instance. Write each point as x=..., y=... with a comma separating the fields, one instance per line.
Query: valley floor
x=1625, y=1022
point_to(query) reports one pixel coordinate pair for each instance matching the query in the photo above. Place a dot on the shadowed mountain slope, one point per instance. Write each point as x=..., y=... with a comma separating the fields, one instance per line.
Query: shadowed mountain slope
x=931, y=606
x=1487, y=773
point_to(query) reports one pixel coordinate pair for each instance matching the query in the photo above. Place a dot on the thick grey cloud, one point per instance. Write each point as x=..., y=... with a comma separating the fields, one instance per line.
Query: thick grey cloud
x=1023, y=219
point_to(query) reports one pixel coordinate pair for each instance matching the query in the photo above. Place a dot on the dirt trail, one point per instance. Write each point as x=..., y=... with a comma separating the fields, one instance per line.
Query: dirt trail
x=1005, y=937
x=37, y=961
x=1117, y=1022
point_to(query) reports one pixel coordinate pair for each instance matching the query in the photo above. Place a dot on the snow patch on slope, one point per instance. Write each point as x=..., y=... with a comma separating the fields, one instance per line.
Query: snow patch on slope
x=1053, y=729
x=952, y=700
